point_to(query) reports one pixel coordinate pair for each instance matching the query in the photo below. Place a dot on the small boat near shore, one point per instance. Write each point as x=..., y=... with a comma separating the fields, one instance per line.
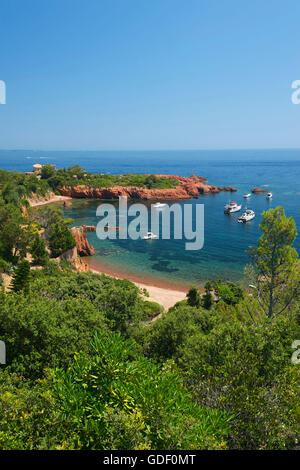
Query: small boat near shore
x=269, y=196
x=232, y=207
x=246, y=216
x=150, y=236
x=247, y=195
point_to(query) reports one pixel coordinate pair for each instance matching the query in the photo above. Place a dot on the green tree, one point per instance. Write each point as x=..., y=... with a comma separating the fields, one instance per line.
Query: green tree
x=77, y=171
x=193, y=297
x=228, y=292
x=21, y=277
x=60, y=240
x=275, y=269
x=47, y=171
x=165, y=337
x=245, y=368
x=207, y=298
x=38, y=251
x=47, y=216
x=14, y=236
x=122, y=304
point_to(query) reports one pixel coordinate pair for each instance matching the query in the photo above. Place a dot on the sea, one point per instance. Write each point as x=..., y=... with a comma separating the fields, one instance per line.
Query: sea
x=167, y=262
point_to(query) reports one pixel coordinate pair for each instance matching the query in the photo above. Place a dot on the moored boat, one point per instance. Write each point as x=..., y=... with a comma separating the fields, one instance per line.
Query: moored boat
x=269, y=196
x=232, y=207
x=246, y=216
x=150, y=236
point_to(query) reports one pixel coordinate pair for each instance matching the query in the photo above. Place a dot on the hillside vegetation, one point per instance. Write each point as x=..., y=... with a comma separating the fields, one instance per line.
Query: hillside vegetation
x=19, y=185
x=86, y=369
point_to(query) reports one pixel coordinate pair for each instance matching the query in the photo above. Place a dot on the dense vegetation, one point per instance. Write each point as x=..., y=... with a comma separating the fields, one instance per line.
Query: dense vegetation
x=16, y=185
x=76, y=175
x=87, y=369
x=141, y=405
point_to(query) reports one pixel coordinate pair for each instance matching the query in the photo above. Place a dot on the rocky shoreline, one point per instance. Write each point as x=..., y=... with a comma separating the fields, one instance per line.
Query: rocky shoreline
x=188, y=188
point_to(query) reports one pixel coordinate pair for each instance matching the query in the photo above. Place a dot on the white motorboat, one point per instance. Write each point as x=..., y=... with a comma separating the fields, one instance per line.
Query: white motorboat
x=247, y=195
x=246, y=216
x=150, y=236
x=159, y=205
x=269, y=196
x=232, y=207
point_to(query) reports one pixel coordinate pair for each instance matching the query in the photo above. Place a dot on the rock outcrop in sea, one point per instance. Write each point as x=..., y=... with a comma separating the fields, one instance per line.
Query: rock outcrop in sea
x=188, y=187
x=259, y=191
x=84, y=248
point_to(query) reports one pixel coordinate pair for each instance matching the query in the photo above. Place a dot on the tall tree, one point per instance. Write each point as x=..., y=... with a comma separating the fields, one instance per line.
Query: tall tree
x=207, y=298
x=20, y=280
x=15, y=237
x=47, y=171
x=193, y=297
x=275, y=269
x=38, y=251
x=60, y=240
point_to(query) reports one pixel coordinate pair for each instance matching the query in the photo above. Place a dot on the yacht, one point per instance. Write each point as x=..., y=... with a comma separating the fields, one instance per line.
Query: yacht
x=247, y=195
x=269, y=196
x=232, y=207
x=150, y=236
x=246, y=216
x=159, y=205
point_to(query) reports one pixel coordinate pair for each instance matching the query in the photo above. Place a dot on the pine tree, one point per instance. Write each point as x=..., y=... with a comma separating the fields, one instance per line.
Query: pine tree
x=21, y=277
x=275, y=270
x=193, y=297
x=207, y=298
x=38, y=251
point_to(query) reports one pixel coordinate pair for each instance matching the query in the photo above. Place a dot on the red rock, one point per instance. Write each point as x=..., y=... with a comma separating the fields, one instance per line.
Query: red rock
x=89, y=228
x=188, y=188
x=84, y=248
x=227, y=188
x=259, y=191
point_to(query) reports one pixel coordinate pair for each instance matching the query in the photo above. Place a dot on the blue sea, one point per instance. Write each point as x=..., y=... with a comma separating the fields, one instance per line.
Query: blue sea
x=166, y=261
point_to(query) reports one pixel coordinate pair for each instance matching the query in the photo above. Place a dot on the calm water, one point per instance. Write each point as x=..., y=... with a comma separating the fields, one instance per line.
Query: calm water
x=223, y=255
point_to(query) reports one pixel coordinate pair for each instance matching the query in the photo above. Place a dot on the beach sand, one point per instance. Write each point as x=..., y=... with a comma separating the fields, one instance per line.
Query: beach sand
x=44, y=201
x=165, y=296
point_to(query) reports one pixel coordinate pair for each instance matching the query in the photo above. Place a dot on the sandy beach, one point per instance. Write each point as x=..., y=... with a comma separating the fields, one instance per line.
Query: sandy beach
x=166, y=297
x=44, y=201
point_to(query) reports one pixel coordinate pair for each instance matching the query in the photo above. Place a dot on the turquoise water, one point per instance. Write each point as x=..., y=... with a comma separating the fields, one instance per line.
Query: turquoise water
x=223, y=255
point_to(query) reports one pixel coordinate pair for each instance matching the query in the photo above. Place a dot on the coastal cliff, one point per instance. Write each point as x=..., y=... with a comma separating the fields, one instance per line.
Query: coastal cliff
x=84, y=248
x=188, y=187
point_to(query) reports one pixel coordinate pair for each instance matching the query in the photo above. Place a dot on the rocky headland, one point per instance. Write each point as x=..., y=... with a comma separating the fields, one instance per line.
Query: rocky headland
x=188, y=187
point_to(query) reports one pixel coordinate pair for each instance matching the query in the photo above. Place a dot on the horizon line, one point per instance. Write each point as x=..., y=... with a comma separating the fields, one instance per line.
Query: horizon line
x=146, y=150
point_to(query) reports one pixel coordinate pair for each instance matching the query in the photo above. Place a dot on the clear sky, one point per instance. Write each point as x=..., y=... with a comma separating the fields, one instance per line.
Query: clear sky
x=149, y=74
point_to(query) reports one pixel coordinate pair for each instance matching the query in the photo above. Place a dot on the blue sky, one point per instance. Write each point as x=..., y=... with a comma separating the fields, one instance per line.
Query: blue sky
x=141, y=74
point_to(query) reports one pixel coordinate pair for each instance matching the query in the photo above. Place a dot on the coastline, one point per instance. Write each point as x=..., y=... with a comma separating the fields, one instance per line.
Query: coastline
x=43, y=201
x=163, y=293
